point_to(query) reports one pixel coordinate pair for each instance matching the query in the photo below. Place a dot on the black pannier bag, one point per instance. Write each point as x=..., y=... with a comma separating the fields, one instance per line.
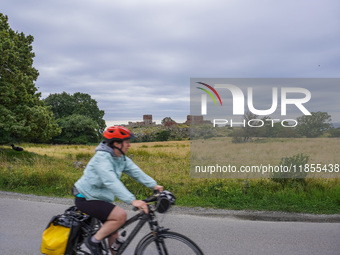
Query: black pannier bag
x=62, y=232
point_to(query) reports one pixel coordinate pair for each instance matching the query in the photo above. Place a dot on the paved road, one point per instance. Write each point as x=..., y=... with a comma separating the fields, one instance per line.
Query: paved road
x=23, y=221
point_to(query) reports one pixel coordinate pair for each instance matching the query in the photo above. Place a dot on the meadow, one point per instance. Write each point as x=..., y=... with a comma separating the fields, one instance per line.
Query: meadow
x=322, y=151
x=49, y=170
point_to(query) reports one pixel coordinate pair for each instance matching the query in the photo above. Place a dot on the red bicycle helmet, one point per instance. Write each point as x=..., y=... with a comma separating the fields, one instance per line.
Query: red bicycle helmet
x=117, y=134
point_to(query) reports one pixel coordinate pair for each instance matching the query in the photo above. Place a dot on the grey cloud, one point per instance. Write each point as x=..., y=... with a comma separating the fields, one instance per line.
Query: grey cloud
x=143, y=53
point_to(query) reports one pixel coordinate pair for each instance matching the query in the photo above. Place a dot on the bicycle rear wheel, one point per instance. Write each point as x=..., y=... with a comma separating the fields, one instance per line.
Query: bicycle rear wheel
x=169, y=243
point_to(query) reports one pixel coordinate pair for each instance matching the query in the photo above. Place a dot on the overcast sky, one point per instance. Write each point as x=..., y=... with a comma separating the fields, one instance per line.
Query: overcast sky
x=136, y=57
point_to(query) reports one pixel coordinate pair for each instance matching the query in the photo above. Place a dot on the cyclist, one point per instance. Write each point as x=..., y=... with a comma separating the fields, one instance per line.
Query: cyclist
x=100, y=184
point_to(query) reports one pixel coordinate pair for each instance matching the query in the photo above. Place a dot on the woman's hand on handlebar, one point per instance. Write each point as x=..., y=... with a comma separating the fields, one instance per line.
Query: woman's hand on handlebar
x=159, y=188
x=141, y=205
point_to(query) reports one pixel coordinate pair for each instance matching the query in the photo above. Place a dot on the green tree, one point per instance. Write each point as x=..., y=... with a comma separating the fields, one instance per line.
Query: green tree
x=167, y=120
x=163, y=135
x=23, y=116
x=334, y=132
x=77, y=129
x=246, y=132
x=79, y=104
x=278, y=130
x=313, y=125
x=85, y=105
x=62, y=105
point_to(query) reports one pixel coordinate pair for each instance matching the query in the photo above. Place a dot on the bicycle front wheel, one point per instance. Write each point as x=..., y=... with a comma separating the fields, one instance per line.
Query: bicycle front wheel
x=169, y=243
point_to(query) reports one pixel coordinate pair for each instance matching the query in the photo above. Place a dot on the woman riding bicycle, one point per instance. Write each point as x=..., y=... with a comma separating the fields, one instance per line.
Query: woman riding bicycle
x=100, y=184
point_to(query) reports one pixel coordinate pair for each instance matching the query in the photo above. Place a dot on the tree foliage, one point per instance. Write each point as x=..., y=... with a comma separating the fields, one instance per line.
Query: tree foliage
x=334, y=132
x=167, y=120
x=308, y=125
x=313, y=125
x=247, y=132
x=163, y=135
x=23, y=116
x=77, y=129
x=79, y=117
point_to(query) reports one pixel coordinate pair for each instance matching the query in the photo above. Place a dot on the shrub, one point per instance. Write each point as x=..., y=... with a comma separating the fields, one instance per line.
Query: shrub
x=292, y=177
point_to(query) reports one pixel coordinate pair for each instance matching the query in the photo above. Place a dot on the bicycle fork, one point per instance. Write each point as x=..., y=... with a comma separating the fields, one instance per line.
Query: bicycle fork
x=159, y=239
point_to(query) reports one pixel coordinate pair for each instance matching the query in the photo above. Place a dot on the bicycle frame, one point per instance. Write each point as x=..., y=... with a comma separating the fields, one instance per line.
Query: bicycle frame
x=158, y=235
x=143, y=218
x=89, y=229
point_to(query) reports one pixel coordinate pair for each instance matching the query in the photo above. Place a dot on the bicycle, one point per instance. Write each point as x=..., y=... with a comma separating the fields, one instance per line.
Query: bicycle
x=159, y=241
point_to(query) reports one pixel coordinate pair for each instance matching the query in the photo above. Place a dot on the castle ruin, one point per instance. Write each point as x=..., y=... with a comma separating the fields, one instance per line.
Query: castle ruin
x=168, y=122
x=147, y=122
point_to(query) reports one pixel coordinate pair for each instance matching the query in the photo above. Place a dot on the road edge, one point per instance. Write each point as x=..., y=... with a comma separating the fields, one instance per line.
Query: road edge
x=200, y=211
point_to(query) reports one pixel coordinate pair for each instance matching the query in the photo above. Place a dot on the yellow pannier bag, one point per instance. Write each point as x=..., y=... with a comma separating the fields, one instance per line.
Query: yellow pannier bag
x=54, y=239
x=62, y=232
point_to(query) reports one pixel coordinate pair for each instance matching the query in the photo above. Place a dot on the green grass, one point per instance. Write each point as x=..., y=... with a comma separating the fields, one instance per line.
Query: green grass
x=27, y=172
x=317, y=196
x=48, y=170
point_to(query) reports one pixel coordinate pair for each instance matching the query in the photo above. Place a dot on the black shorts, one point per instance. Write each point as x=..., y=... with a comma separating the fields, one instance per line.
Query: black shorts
x=95, y=208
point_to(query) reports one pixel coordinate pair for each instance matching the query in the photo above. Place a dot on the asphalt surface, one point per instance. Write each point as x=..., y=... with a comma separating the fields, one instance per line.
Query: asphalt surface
x=24, y=217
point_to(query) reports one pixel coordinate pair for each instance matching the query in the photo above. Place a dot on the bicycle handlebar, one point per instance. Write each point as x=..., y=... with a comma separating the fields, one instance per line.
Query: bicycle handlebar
x=153, y=198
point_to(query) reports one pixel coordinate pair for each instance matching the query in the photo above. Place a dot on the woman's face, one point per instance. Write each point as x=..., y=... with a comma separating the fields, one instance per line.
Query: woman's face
x=124, y=146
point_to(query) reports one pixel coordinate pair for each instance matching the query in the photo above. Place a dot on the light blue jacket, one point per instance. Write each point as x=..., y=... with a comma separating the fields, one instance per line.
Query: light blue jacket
x=101, y=178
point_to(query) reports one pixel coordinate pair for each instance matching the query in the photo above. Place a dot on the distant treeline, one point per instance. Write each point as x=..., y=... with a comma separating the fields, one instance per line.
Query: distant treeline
x=316, y=125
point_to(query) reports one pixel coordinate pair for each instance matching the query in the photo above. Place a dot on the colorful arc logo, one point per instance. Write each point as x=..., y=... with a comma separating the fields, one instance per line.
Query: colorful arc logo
x=213, y=90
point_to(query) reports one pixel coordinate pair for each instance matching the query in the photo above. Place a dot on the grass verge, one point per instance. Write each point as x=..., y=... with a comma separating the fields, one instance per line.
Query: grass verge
x=49, y=170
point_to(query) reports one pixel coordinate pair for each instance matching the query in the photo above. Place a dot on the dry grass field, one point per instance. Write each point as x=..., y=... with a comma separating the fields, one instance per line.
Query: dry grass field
x=222, y=151
x=320, y=150
x=49, y=170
